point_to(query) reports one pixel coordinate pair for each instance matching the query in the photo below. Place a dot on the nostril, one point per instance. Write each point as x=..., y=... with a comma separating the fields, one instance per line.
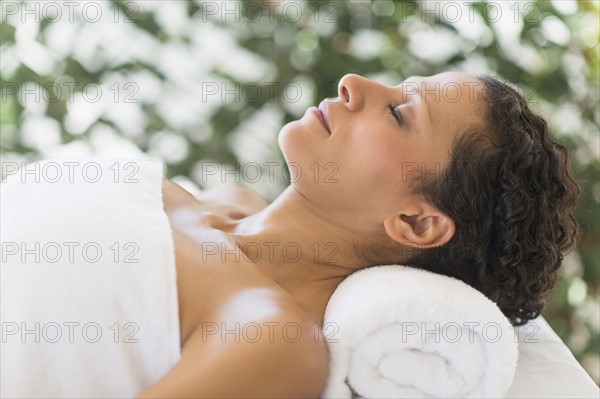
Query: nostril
x=345, y=94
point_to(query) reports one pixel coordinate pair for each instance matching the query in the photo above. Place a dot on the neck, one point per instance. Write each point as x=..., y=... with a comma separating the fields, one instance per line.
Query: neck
x=298, y=247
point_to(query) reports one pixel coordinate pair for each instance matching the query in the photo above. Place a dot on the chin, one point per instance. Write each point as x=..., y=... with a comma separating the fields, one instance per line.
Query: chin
x=283, y=137
x=293, y=140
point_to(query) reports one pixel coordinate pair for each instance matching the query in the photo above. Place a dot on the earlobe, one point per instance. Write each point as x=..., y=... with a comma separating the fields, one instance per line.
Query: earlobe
x=422, y=231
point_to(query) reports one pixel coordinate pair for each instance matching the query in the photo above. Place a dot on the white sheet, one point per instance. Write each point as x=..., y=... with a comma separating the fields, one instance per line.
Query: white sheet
x=546, y=367
x=102, y=321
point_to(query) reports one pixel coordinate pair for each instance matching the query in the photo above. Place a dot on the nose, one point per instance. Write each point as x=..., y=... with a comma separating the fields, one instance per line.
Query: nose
x=352, y=90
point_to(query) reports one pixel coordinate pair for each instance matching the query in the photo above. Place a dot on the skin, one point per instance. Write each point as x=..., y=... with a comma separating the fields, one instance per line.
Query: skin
x=222, y=283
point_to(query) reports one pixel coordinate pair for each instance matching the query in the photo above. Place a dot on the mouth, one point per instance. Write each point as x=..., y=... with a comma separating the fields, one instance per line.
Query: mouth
x=321, y=114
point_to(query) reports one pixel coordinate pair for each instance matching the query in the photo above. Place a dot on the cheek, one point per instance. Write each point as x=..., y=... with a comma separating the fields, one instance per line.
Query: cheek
x=383, y=160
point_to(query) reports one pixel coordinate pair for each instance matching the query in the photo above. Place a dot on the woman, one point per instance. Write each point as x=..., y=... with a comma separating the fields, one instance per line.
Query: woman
x=449, y=173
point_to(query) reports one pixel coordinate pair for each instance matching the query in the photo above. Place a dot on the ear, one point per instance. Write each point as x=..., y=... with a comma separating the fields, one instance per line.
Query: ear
x=424, y=227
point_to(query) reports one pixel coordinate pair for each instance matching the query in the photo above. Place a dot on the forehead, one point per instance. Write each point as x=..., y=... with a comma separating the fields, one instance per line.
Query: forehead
x=454, y=99
x=458, y=77
x=446, y=87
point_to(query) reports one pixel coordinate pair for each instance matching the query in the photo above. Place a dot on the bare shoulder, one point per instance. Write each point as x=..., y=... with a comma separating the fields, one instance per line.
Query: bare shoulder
x=286, y=343
x=257, y=344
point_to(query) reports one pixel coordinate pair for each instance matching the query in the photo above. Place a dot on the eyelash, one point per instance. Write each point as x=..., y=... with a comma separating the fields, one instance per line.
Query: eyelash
x=396, y=115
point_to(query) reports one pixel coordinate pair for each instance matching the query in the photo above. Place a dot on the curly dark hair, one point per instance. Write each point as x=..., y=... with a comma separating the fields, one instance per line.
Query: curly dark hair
x=510, y=193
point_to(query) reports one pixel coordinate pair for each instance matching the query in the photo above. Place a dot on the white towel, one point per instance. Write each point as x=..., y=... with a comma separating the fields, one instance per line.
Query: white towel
x=88, y=290
x=400, y=332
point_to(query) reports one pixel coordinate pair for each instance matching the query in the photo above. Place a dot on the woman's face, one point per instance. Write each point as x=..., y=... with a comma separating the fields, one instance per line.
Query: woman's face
x=359, y=162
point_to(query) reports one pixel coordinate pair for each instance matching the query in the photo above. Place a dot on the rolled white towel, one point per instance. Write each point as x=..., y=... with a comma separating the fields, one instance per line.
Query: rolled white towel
x=398, y=332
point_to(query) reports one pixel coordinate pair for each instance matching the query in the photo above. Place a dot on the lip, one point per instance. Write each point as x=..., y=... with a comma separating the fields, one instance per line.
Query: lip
x=321, y=113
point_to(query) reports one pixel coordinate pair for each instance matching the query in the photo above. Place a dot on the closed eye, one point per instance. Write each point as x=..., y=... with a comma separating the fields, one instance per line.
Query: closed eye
x=396, y=114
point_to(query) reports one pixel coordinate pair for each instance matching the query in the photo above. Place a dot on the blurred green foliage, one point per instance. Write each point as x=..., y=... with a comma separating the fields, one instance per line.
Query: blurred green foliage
x=169, y=73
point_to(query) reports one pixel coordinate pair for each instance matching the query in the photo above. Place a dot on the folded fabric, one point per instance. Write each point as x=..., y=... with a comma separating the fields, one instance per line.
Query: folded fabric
x=547, y=368
x=88, y=290
x=401, y=332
